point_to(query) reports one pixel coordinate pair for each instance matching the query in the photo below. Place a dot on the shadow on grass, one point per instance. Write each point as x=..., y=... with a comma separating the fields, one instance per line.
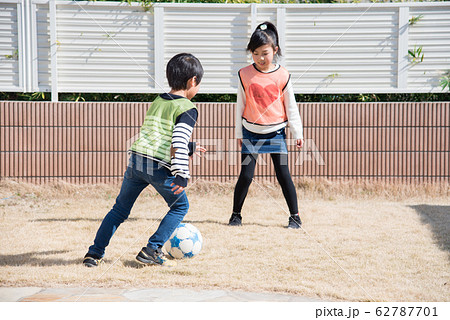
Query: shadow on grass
x=438, y=218
x=133, y=219
x=133, y=264
x=137, y=265
x=79, y=219
x=194, y=222
x=38, y=259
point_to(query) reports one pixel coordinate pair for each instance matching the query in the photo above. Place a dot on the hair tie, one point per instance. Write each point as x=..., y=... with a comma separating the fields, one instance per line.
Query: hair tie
x=263, y=27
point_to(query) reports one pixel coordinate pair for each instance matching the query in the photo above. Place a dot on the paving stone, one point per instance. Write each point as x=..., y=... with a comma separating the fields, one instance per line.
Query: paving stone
x=43, y=297
x=96, y=298
x=15, y=294
x=30, y=294
x=170, y=295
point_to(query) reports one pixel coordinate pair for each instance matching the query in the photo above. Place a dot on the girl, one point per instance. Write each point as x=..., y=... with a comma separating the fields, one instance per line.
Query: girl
x=265, y=104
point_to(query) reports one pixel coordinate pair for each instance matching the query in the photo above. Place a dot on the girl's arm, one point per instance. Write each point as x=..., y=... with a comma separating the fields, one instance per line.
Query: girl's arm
x=295, y=121
x=240, y=104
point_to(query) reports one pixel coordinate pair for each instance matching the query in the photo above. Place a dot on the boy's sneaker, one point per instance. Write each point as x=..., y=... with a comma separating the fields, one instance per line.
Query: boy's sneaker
x=91, y=260
x=151, y=256
x=235, y=220
x=294, y=222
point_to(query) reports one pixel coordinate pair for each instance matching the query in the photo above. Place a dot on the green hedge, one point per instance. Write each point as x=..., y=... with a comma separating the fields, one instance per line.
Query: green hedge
x=135, y=97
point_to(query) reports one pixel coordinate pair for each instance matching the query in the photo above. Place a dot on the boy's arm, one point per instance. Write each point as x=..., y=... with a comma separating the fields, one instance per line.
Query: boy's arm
x=295, y=121
x=192, y=146
x=181, y=147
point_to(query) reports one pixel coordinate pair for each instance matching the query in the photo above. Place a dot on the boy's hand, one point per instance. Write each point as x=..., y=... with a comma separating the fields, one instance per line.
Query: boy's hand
x=299, y=143
x=177, y=189
x=199, y=150
x=240, y=143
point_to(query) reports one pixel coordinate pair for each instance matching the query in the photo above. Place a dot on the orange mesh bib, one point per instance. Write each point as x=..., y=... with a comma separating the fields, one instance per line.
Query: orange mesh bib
x=264, y=95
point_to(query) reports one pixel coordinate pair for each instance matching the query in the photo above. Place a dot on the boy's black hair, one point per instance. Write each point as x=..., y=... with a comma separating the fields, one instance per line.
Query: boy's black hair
x=181, y=68
x=265, y=33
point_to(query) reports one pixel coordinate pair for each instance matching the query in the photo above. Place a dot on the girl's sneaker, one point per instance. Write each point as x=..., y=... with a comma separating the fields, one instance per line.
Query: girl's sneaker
x=235, y=220
x=294, y=221
x=91, y=260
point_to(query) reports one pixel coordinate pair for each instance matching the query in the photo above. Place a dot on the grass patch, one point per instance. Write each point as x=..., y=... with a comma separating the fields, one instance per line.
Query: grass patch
x=360, y=241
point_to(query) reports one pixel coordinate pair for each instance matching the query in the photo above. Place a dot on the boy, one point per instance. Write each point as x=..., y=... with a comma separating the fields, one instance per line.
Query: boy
x=160, y=157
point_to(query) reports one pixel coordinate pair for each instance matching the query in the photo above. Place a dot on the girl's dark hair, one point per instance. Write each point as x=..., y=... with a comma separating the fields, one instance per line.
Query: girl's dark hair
x=181, y=68
x=265, y=33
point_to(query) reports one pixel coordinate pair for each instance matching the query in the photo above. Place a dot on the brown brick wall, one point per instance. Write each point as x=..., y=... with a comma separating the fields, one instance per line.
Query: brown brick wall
x=87, y=142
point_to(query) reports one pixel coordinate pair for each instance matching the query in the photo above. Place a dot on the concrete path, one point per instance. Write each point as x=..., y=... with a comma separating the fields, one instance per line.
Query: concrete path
x=8, y=294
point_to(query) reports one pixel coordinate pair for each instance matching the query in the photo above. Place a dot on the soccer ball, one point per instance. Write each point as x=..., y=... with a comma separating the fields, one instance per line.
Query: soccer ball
x=185, y=242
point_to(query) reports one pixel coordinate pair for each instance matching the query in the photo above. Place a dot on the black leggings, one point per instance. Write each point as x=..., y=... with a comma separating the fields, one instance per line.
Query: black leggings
x=280, y=163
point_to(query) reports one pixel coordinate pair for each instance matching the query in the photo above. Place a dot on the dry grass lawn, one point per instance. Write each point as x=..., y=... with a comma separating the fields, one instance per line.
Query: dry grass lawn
x=360, y=242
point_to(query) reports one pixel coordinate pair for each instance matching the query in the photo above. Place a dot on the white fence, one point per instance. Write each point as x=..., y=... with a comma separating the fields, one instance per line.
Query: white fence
x=67, y=46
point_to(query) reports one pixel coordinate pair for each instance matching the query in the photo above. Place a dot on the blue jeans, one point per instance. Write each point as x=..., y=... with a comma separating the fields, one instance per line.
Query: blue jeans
x=140, y=173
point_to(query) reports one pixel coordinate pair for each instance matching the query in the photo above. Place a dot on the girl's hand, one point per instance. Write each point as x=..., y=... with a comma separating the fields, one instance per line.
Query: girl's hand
x=177, y=189
x=199, y=150
x=240, y=143
x=299, y=143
